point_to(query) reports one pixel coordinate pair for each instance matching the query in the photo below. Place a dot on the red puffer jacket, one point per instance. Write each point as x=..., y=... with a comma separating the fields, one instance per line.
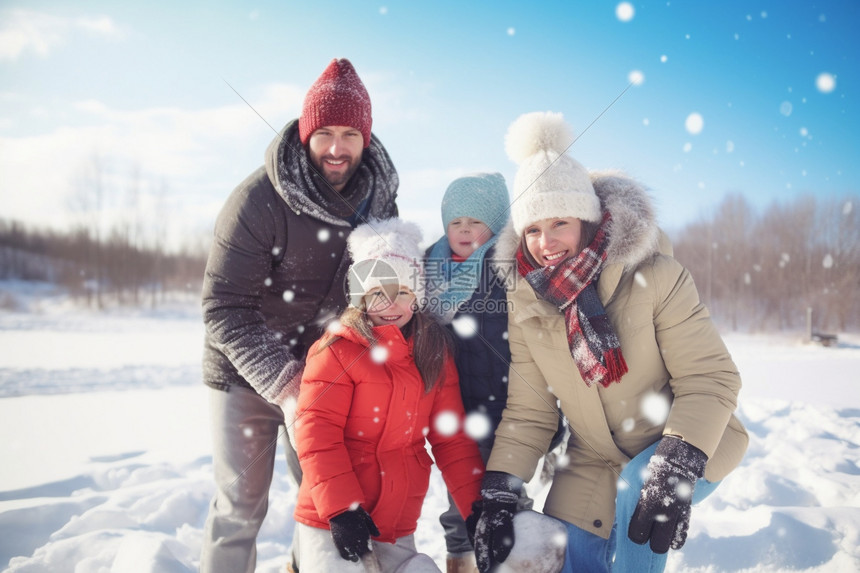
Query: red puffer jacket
x=361, y=423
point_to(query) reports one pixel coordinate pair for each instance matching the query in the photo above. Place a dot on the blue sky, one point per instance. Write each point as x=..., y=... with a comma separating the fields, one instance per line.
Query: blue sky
x=143, y=92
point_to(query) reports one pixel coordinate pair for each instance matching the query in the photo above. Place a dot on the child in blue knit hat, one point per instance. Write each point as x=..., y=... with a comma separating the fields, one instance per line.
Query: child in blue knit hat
x=466, y=289
x=474, y=211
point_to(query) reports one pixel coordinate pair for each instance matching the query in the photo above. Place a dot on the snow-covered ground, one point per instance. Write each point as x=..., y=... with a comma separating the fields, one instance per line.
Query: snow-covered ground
x=105, y=455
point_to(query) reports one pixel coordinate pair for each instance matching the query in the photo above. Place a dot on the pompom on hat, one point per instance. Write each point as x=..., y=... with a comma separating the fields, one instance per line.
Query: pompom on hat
x=385, y=252
x=549, y=183
x=337, y=97
x=482, y=196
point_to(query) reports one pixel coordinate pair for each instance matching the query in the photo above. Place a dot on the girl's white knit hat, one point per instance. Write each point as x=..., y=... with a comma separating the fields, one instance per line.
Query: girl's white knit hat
x=385, y=252
x=549, y=183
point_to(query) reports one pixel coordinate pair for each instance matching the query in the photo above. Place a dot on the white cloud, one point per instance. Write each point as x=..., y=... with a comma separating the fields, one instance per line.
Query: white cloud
x=99, y=25
x=200, y=154
x=25, y=31
x=91, y=106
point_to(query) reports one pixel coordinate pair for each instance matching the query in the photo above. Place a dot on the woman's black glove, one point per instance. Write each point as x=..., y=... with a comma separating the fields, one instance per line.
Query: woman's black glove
x=351, y=531
x=493, y=535
x=663, y=512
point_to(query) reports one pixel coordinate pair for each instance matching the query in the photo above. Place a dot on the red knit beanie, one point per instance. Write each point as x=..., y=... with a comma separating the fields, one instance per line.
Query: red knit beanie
x=337, y=98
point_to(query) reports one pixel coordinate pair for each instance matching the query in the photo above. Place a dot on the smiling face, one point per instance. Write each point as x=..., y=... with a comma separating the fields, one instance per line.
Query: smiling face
x=466, y=234
x=335, y=151
x=393, y=304
x=550, y=241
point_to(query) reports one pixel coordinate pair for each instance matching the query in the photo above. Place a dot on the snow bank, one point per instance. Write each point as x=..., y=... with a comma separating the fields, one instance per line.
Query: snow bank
x=107, y=467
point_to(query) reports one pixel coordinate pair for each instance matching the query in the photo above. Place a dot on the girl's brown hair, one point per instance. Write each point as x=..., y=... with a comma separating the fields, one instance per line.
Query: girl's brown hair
x=432, y=343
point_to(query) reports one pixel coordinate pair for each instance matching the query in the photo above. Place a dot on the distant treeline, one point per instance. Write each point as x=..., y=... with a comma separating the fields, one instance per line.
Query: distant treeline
x=754, y=271
x=763, y=271
x=99, y=271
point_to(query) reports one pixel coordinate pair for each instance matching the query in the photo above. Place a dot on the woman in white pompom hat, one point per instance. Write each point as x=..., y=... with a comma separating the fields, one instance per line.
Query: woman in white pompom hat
x=606, y=323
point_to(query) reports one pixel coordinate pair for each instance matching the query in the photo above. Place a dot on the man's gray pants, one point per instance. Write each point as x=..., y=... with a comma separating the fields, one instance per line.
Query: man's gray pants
x=245, y=433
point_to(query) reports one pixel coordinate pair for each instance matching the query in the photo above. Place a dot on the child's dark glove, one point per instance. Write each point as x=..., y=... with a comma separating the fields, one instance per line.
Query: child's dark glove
x=663, y=512
x=494, y=530
x=351, y=531
x=472, y=520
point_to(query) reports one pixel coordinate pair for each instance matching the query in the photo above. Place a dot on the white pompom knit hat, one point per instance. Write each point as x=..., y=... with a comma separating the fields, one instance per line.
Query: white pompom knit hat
x=549, y=183
x=385, y=252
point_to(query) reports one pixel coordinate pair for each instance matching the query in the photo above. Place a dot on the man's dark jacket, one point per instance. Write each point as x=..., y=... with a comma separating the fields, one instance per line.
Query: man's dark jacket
x=277, y=267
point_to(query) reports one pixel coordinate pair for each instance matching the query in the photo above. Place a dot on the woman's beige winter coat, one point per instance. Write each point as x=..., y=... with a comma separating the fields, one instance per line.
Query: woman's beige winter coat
x=681, y=378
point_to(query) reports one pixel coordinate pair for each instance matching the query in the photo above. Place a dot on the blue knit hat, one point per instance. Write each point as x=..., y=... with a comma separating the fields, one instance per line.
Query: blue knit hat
x=482, y=196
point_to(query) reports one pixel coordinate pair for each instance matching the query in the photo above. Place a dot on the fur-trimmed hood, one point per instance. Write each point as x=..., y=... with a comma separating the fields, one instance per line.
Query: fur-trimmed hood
x=633, y=232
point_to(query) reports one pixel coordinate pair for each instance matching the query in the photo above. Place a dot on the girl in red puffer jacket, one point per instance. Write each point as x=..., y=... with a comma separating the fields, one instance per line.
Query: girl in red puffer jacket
x=376, y=388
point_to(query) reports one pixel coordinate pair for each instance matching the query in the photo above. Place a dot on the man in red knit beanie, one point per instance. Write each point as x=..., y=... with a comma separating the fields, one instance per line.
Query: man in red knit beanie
x=275, y=277
x=337, y=98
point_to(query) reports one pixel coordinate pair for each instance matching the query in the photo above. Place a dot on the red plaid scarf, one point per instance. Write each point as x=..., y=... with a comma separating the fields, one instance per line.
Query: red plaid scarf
x=569, y=285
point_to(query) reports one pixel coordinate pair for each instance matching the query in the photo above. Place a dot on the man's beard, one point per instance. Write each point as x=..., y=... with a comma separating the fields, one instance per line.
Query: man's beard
x=338, y=178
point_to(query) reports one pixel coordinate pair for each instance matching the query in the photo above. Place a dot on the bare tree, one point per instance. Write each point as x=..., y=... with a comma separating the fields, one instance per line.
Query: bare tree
x=87, y=203
x=765, y=271
x=693, y=248
x=733, y=253
x=130, y=223
x=839, y=260
x=160, y=225
x=787, y=234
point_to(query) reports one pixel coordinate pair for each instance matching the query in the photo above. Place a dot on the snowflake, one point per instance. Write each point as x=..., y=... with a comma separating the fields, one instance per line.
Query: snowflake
x=624, y=11
x=825, y=82
x=446, y=423
x=478, y=425
x=655, y=408
x=379, y=354
x=465, y=326
x=694, y=123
